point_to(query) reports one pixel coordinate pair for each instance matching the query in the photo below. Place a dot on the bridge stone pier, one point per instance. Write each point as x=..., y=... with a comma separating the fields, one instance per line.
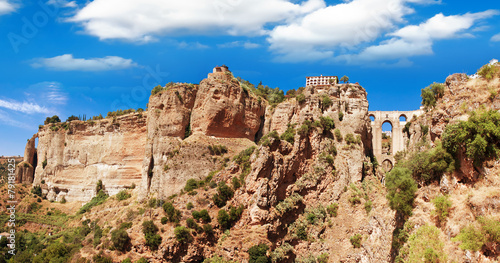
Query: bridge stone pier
x=398, y=138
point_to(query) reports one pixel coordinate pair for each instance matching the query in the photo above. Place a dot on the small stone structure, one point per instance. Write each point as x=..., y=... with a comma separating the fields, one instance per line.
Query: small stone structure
x=398, y=138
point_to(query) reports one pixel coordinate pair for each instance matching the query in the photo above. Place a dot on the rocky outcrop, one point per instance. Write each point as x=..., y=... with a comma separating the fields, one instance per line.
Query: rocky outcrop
x=224, y=109
x=73, y=156
x=347, y=101
x=25, y=171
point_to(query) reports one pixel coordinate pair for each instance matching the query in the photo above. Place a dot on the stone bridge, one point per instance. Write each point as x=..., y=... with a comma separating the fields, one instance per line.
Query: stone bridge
x=397, y=119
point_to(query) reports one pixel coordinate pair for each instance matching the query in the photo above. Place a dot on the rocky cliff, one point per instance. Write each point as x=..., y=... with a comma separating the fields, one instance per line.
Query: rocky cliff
x=471, y=190
x=300, y=170
x=73, y=156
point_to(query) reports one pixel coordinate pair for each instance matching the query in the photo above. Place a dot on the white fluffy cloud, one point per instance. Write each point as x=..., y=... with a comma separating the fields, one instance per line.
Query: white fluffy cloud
x=416, y=40
x=67, y=62
x=142, y=20
x=343, y=25
x=6, y=7
x=496, y=38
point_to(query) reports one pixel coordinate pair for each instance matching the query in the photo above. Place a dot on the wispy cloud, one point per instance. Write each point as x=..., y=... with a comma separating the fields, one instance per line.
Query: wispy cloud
x=191, y=45
x=63, y=3
x=67, y=62
x=243, y=44
x=6, y=7
x=496, y=38
x=24, y=107
x=47, y=92
x=5, y=119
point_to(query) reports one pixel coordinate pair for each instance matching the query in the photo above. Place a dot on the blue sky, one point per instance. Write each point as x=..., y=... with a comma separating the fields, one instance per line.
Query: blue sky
x=80, y=57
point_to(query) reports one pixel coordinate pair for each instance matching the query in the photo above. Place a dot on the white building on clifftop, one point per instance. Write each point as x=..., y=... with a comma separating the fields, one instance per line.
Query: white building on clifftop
x=321, y=80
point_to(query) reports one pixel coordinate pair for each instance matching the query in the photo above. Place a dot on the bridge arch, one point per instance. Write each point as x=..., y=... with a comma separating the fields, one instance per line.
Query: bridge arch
x=387, y=165
x=398, y=139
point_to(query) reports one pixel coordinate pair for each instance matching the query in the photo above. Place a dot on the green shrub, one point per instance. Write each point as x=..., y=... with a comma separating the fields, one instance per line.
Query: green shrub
x=338, y=135
x=301, y=98
x=191, y=184
x=236, y=183
x=326, y=102
x=332, y=209
x=341, y=116
x=303, y=130
x=478, y=137
x=223, y=219
x=153, y=240
x=172, y=213
x=126, y=225
x=53, y=119
x=429, y=165
x=217, y=149
x=401, y=190
x=207, y=228
x=323, y=258
x=356, y=240
x=182, y=234
x=266, y=139
x=437, y=89
x=428, y=98
x=97, y=235
x=37, y=190
x=142, y=260
x=368, y=206
x=217, y=259
x=97, y=200
x=101, y=258
x=164, y=220
x=471, y=237
x=327, y=123
x=205, y=216
x=258, y=254
x=426, y=244
x=189, y=206
x=243, y=160
x=127, y=260
x=289, y=134
x=474, y=238
x=63, y=200
x=327, y=158
x=224, y=193
x=442, y=207
x=488, y=71
x=289, y=203
x=349, y=139
x=301, y=232
x=279, y=253
x=156, y=90
x=190, y=223
x=120, y=239
x=122, y=195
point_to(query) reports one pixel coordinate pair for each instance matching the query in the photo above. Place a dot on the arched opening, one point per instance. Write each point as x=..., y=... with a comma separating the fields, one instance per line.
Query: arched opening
x=387, y=137
x=372, y=118
x=387, y=165
x=402, y=118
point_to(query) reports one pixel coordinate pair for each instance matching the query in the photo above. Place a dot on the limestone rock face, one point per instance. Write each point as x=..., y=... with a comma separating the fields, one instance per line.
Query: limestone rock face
x=72, y=160
x=347, y=100
x=224, y=109
x=25, y=171
x=170, y=161
x=170, y=111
